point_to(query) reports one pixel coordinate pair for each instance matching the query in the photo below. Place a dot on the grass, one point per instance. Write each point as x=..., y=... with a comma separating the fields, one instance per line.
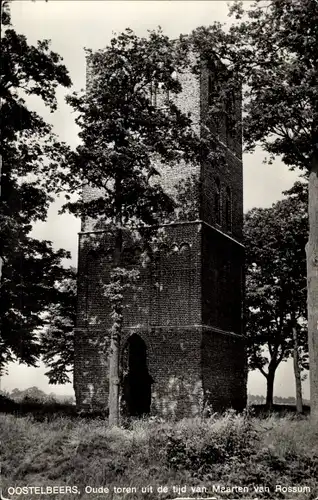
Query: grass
x=229, y=450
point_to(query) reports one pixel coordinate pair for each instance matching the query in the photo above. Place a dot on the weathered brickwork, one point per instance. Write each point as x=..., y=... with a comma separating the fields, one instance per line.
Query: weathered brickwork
x=223, y=370
x=187, y=306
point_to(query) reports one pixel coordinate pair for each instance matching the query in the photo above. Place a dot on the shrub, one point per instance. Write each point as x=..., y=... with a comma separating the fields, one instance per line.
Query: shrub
x=198, y=445
x=230, y=449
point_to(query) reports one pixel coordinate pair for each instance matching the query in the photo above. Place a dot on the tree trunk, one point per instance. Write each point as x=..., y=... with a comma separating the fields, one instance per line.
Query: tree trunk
x=312, y=286
x=117, y=315
x=299, y=399
x=113, y=418
x=1, y=260
x=116, y=330
x=270, y=387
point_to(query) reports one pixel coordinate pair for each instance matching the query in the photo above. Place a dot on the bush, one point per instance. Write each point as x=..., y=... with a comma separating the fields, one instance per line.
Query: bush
x=198, y=445
x=40, y=408
x=230, y=449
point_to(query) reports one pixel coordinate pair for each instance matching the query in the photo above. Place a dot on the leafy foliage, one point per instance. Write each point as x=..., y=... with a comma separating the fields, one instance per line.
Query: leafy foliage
x=279, y=42
x=126, y=135
x=271, y=49
x=28, y=286
x=57, y=336
x=255, y=452
x=275, y=239
x=31, y=156
x=233, y=438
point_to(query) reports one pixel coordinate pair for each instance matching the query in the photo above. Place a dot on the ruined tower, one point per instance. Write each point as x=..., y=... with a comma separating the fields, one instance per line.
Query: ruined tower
x=183, y=344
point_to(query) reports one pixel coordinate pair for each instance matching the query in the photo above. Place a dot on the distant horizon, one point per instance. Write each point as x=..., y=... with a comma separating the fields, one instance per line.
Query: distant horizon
x=284, y=399
x=22, y=377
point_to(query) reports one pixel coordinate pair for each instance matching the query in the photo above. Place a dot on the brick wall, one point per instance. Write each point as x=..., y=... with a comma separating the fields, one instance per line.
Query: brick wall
x=189, y=366
x=174, y=271
x=91, y=369
x=223, y=370
x=176, y=392
x=228, y=169
x=222, y=281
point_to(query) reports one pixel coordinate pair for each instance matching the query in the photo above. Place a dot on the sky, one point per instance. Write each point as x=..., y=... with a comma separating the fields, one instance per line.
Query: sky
x=77, y=24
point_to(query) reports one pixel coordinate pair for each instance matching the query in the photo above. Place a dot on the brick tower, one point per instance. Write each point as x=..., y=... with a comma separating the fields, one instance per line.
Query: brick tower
x=182, y=345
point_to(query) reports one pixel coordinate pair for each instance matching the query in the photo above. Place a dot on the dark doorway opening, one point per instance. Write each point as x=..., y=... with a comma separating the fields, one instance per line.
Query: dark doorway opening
x=137, y=381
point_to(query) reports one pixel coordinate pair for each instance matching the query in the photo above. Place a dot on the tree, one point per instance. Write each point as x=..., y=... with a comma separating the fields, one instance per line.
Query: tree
x=272, y=49
x=129, y=125
x=28, y=287
x=57, y=337
x=276, y=285
x=283, y=113
x=31, y=156
x=32, y=393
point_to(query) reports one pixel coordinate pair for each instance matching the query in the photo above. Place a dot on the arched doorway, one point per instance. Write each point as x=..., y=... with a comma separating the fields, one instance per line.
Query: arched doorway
x=136, y=381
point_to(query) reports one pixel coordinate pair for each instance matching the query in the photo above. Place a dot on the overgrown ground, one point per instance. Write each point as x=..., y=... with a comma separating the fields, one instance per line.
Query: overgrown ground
x=230, y=451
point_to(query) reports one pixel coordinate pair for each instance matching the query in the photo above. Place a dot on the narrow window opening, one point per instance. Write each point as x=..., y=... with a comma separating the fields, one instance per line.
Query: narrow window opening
x=230, y=116
x=214, y=92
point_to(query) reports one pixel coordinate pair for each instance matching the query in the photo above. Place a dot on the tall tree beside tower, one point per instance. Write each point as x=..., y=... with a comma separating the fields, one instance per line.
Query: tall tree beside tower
x=283, y=116
x=31, y=156
x=275, y=299
x=273, y=49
